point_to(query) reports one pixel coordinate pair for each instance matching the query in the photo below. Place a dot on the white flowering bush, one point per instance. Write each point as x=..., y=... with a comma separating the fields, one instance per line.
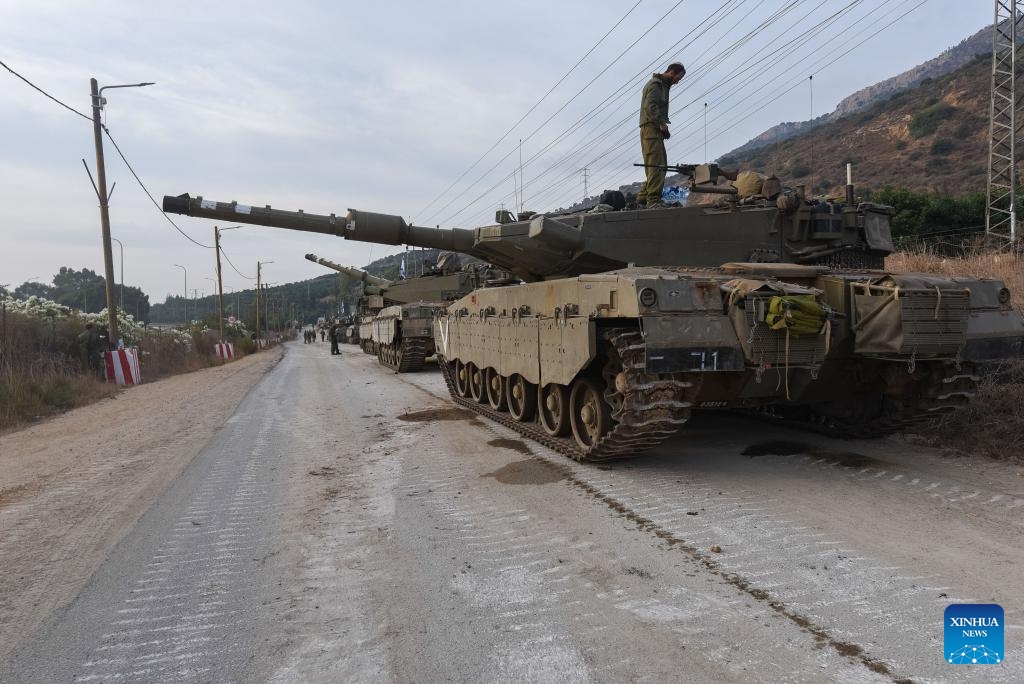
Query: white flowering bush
x=37, y=307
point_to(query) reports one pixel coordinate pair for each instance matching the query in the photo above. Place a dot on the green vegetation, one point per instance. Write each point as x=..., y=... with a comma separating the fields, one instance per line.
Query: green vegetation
x=942, y=146
x=920, y=215
x=928, y=119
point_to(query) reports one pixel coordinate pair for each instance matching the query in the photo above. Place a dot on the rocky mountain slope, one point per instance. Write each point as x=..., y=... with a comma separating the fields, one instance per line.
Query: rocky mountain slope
x=950, y=60
x=932, y=138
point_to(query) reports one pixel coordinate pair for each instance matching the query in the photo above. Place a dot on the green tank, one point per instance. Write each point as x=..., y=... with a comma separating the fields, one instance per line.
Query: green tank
x=628, y=321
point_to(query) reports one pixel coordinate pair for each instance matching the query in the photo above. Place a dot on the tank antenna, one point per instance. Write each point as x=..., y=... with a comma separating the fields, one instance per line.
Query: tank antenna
x=522, y=191
x=810, y=178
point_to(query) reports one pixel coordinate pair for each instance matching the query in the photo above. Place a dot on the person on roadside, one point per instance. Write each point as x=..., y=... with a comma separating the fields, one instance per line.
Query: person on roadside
x=323, y=333
x=335, y=333
x=90, y=348
x=654, y=131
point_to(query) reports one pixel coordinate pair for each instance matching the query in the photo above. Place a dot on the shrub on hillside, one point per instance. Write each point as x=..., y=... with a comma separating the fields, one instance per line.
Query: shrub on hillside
x=928, y=119
x=942, y=146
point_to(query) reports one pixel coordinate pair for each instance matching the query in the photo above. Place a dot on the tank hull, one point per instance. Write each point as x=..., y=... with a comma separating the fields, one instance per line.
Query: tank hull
x=620, y=359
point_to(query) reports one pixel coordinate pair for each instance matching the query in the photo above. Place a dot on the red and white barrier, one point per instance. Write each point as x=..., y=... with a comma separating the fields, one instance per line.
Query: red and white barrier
x=225, y=350
x=122, y=366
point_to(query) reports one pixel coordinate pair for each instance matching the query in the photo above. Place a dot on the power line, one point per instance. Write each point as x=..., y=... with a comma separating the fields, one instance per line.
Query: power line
x=114, y=143
x=531, y=110
x=146, y=190
x=228, y=259
x=33, y=85
x=552, y=116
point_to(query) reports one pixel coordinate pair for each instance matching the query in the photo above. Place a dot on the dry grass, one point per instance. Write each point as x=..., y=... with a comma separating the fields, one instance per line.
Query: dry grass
x=975, y=262
x=993, y=423
x=41, y=373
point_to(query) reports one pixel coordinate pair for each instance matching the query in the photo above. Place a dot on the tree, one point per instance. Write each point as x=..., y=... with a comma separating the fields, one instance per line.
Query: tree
x=29, y=289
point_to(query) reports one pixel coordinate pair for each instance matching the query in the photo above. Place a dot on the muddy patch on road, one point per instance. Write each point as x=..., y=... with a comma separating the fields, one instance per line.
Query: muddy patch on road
x=847, y=459
x=437, y=414
x=513, y=444
x=776, y=448
x=530, y=471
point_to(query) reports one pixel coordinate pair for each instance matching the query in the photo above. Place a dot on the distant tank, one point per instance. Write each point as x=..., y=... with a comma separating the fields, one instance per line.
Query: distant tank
x=631, y=319
x=395, y=318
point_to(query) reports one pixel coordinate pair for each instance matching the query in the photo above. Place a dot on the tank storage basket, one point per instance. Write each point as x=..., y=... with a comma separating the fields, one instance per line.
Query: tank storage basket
x=899, y=315
x=779, y=323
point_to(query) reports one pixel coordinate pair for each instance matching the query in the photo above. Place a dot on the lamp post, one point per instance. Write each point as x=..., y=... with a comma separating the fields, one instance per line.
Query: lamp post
x=185, y=298
x=101, y=176
x=221, y=309
x=121, y=246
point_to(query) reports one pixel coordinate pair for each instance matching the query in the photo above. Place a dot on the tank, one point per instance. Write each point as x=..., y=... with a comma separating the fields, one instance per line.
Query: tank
x=395, y=318
x=628, y=321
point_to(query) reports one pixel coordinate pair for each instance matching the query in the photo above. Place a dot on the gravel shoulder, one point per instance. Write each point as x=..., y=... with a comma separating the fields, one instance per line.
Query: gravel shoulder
x=73, y=486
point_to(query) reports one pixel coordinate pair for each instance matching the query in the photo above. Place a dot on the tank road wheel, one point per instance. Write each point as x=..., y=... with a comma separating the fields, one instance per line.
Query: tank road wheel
x=589, y=414
x=495, y=386
x=553, y=407
x=521, y=397
x=477, y=386
x=461, y=378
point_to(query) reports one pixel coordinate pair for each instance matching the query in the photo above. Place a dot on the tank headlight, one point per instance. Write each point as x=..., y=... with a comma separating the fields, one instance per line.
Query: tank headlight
x=648, y=297
x=1004, y=295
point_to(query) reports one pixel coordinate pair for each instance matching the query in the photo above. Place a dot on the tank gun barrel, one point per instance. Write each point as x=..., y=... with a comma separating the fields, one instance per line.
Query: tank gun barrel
x=364, y=226
x=362, y=276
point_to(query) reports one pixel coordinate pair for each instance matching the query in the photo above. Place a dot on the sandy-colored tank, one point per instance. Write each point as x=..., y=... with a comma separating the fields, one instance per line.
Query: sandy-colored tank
x=629, y=320
x=396, y=318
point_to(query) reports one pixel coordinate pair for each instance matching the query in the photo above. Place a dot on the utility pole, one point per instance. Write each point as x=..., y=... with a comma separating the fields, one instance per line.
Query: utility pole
x=101, y=177
x=101, y=192
x=220, y=287
x=1001, y=193
x=586, y=192
x=258, y=265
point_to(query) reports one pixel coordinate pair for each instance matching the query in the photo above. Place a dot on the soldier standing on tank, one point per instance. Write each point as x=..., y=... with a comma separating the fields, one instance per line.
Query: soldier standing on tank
x=654, y=131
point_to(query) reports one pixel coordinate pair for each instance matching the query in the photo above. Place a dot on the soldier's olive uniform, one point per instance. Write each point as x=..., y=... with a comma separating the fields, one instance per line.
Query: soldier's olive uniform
x=653, y=113
x=89, y=348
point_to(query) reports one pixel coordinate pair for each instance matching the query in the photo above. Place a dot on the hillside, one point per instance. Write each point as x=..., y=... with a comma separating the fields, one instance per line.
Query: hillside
x=930, y=138
x=948, y=61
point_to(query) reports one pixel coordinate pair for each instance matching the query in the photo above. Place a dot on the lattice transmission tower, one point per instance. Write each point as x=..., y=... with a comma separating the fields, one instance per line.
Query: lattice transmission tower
x=1001, y=210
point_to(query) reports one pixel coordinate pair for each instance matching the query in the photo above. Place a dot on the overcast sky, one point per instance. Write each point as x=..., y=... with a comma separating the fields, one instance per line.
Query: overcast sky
x=381, y=106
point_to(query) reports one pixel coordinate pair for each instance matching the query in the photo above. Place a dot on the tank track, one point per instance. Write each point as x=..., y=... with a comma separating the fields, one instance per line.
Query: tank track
x=943, y=389
x=647, y=408
x=406, y=358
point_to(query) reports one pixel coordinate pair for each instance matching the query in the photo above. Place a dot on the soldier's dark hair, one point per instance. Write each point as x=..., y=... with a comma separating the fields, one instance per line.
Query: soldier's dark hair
x=675, y=68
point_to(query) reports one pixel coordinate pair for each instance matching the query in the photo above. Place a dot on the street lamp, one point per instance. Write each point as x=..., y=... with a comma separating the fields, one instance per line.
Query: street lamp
x=214, y=281
x=122, y=271
x=101, y=176
x=185, y=298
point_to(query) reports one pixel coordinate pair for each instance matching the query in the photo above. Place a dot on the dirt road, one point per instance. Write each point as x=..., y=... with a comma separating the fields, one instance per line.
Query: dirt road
x=347, y=524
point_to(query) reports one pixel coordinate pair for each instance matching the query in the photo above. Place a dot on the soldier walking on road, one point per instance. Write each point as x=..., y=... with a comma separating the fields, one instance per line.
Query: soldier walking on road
x=654, y=131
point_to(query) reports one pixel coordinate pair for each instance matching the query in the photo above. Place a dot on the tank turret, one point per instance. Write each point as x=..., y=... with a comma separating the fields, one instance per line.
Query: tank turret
x=754, y=229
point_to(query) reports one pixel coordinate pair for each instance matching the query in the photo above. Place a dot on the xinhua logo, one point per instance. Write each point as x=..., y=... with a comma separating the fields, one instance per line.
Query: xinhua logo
x=973, y=634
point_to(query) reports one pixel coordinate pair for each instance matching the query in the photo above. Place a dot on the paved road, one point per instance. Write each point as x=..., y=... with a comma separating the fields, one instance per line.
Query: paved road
x=348, y=524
